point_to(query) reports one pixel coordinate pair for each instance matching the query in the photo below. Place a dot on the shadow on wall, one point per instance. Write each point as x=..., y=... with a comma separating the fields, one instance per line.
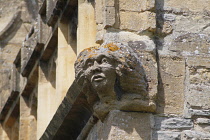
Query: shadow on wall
x=69, y=28
x=159, y=4
x=11, y=29
x=49, y=71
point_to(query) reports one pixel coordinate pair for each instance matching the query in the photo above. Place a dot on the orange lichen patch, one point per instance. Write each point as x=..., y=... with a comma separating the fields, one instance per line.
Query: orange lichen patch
x=88, y=49
x=79, y=59
x=91, y=49
x=111, y=47
x=92, y=55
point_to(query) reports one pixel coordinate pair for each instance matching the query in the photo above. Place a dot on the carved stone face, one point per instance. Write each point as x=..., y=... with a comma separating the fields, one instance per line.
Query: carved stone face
x=100, y=72
x=113, y=79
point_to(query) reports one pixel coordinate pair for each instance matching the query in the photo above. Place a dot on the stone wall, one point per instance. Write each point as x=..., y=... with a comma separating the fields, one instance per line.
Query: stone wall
x=40, y=98
x=180, y=31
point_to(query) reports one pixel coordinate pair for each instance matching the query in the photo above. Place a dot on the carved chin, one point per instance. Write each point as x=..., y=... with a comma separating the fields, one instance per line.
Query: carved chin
x=99, y=83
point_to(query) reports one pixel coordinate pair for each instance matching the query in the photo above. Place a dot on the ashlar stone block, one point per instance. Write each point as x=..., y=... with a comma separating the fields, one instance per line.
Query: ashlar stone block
x=109, y=18
x=191, y=43
x=123, y=126
x=180, y=5
x=199, y=82
x=109, y=3
x=136, y=5
x=99, y=11
x=202, y=124
x=139, y=22
x=166, y=135
x=137, y=42
x=192, y=135
x=171, y=88
x=172, y=123
x=192, y=23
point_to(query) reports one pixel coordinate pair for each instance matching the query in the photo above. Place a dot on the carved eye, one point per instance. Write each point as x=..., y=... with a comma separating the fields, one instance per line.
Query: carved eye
x=104, y=60
x=89, y=64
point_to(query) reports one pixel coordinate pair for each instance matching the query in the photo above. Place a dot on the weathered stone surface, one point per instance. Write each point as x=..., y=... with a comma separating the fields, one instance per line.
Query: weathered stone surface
x=109, y=18
x=199, y=96
x=99, y=15
x=28, y=114
x=30, y=15
x=199, y=61
x=197, y=93
x=13, y=29
x=199, y=75
x=166, y=135
x=169, y=17
x=198, y=24
x=165, y=23
x=86, y=28
x=150, y=66
x=191, y=135
x=167, y=123
x=136, y=5
x=114, y=79
x=123, y=126
x=105, y=13
x=28, y=48
x=191, y=44
x=196, y=112
x=171, y=90
x=137, y=42
x=4, y=86
x=180, y=6
x=5, y=10
x=109, y=3
x=44, y=31
x=138, y=22
x=202, y=124
x=100, y=33
x=202, y=121
x=144, y=47
x=169, y=37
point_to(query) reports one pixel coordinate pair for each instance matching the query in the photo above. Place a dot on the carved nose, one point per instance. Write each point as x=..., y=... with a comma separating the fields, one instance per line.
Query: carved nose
x=96, y=66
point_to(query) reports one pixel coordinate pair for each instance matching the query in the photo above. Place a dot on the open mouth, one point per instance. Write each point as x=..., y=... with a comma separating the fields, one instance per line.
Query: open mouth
x=97, y=78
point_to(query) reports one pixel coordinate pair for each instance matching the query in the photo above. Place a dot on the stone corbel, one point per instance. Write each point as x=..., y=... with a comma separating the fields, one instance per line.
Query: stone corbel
x=113, y=79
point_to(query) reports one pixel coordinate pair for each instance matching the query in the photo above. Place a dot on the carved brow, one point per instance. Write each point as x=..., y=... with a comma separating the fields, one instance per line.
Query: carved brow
x=100, y=57
x=89, y=60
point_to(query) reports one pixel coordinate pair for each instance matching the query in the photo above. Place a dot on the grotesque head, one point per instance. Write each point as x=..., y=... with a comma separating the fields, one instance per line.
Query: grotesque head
x=111, y=73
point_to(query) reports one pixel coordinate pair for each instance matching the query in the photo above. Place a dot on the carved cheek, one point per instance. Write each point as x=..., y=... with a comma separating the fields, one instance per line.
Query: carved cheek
x=88, y=73
x=109, y=71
